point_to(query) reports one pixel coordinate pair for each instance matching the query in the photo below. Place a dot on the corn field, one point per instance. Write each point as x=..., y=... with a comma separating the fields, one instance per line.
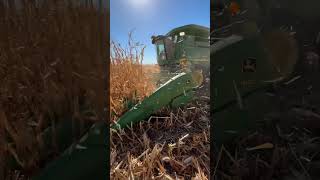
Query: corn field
x=173, y=144
x=129, y=83
x=50, y=67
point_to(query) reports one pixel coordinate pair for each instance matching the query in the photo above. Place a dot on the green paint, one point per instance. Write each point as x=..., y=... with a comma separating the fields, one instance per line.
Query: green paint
x=85, y=160
x=176, y=88
x=193, y=45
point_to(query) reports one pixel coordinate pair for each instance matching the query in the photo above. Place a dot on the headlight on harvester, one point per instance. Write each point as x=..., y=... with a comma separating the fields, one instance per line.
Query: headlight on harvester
x=183, y=63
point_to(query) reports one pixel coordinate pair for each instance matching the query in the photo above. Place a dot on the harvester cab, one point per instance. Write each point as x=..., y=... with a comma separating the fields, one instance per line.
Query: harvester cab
x=183, y=49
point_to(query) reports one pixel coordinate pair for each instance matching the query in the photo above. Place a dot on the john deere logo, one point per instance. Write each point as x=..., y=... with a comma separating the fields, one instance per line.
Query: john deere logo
x=249, y=65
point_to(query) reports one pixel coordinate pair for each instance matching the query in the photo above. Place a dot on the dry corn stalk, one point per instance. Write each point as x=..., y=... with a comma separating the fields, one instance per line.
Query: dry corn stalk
x=128, y=79
x=49, y=63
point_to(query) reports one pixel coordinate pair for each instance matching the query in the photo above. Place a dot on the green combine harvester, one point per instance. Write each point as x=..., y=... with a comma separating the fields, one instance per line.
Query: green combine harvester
x=250, y=51
x=183, y=57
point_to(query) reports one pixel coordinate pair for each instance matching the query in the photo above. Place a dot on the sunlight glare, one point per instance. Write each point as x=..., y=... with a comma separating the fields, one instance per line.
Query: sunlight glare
x=139, y=3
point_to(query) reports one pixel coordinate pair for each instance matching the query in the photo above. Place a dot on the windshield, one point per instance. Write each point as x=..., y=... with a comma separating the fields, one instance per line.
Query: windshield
x=161, y=51
x=165, y=49
x=171, y=48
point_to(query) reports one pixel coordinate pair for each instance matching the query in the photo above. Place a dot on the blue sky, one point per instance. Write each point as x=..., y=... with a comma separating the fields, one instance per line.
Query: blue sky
x=154, y=17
